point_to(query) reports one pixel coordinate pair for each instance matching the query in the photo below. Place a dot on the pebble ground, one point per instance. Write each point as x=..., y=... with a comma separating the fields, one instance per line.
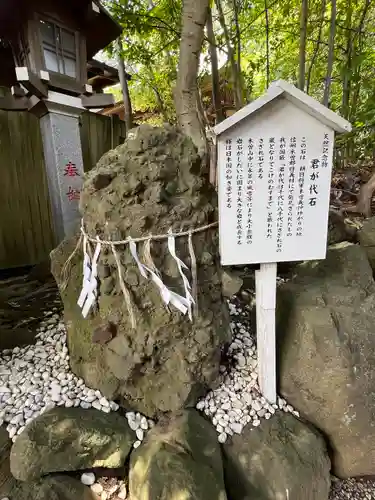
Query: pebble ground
x=352, y=489
x=237, y=401
x=37, y=377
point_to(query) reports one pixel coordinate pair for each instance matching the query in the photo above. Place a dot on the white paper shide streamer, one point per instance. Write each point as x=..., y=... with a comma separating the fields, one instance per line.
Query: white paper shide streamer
x=189, y=301
x=183, y=303
x=168, y=296
x=89, y=292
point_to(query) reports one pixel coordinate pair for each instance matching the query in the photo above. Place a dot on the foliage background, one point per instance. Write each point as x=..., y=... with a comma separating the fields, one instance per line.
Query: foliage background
x=256, y=29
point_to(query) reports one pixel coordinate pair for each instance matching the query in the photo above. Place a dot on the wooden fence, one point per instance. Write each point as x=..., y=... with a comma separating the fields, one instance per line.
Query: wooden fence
x=26, y=227
x=26, y=233
x=99, y=134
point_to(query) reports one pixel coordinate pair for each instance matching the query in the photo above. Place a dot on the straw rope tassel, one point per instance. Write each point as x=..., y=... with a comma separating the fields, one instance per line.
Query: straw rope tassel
x=147, y=257
x=182, y=303
x=65, y=271
x=124, y=289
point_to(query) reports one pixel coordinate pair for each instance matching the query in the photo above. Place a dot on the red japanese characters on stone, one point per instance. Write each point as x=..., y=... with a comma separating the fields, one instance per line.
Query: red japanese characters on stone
x=73, y=194
x=71, y=170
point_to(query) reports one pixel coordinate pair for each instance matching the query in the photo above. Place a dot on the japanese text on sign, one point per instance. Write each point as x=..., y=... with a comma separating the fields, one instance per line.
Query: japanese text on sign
x=73, y=194
x=240, y=197
x=249, y=192
x=228, y=173
x=71, y=170
x=275, y=188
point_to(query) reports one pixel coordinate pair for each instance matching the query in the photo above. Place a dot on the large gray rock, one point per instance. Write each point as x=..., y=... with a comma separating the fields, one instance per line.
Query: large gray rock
x=51, y=488
x=70, y=439
x=339, y=230
x=148, y=185
x=231, y=283
x=366, y=236
x=326, y=325
x=6, y=477
x=283, y=459
x=179, y=460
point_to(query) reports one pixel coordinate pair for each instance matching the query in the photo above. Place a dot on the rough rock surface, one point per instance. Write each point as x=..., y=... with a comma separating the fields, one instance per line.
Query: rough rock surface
x=366, y=237
x=339, y=230
x=231, y=283
x=326, y=324
x=283, y=459
x=181, y=460
x=70, y=439
x=148, y=185
x=5, y=474
x=51, y=488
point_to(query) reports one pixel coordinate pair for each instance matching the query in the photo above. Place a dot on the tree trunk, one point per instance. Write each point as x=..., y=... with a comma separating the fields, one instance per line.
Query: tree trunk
x=194, y=16
x=159, y=99
x=346, y=81
x=161, y=104
x=128, y=114
x=236, y=80
x=302, y=47
x=216, y=97
x=239, y=48
x=202, y=115
x=331, y=54
x=357, y=72
x=317, y=47
x=267, y=43
x=210, y=140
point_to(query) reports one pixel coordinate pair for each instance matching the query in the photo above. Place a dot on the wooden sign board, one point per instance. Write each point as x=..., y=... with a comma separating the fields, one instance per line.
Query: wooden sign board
x=274, y=170
x=275, y=187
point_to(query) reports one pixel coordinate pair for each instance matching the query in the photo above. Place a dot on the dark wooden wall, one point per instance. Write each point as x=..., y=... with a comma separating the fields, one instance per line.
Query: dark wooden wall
x=26, y=233
x=99, y=134
x=26, y=226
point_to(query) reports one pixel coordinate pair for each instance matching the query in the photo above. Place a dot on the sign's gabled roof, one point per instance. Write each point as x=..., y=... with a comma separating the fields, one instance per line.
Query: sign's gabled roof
x=297, y=97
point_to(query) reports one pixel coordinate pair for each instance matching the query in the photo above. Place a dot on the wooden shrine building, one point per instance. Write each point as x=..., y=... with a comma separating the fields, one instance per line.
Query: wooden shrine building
x=45, y=45
x=47, y=69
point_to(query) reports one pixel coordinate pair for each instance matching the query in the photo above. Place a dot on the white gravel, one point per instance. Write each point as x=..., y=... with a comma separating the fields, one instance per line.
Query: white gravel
x=238, y=401
x=122, y=492
x=352, y=489
x=140, y=424
x=36, y=378
x=88, y=478
x=110, y=488
x=97, y=488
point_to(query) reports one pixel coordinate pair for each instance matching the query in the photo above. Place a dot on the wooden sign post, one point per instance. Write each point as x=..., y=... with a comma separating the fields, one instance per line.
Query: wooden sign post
x=274, y=171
